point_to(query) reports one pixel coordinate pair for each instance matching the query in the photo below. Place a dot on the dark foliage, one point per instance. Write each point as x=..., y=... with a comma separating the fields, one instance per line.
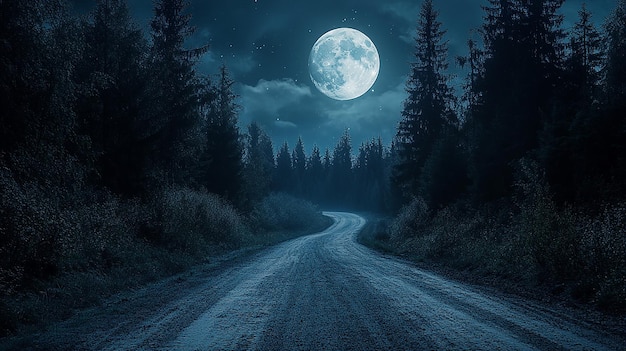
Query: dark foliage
x=119, y=164
x=427, y=113
x=221, y=161
x=537, y=163
x=118, y=161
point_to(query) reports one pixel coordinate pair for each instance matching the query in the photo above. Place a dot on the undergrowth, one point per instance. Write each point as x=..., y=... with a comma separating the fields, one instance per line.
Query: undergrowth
x=529, y=240
x=58, y=257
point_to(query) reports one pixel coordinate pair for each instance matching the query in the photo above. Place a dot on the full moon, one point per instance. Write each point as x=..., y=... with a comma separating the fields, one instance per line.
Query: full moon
x=344, y=64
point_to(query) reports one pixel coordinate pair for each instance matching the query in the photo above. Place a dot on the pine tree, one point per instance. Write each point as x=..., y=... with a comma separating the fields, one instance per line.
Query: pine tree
x=172, y=122
x=298, y=160
x=40, y=178
x=361, y=177
x=222, y=166
x=40, y=46
x=36, y=94
x=427, y=110
x=522, y=68
x=541, y=34
x=112, y=78
x=615, y=70
x=565, y=148
x=444, y=178
x=315, y=180
x=613, y=136
x=471, y=93
x=341, y=172
x=369, y=173
x=283, y=177
x=258, y=165
x=393, y=196
x=327, y=163
x=585, y=57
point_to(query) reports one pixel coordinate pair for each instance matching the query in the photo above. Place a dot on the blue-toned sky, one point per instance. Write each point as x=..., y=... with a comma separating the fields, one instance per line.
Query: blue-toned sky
x=266, y=45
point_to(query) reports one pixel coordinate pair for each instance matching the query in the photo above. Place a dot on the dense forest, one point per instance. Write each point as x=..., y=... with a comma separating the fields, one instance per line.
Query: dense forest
x=522, y=178
x=120, y=163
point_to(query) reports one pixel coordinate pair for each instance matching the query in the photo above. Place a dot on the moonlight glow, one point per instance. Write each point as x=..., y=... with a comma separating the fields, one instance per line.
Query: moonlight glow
x=344, y=64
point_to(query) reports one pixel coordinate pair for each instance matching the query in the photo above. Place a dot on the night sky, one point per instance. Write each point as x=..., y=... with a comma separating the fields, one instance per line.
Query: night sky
x=266, y=44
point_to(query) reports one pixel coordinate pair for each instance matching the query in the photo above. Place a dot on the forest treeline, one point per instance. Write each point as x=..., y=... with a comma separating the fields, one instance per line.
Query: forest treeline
x=119, y=162
x=522, y=178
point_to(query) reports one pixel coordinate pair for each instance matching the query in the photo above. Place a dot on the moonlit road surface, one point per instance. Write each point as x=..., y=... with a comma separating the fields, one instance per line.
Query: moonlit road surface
x=324, y=292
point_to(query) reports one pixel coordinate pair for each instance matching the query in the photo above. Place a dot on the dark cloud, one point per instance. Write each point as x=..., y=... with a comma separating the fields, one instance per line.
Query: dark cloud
x=268, y=100
x=266, y=44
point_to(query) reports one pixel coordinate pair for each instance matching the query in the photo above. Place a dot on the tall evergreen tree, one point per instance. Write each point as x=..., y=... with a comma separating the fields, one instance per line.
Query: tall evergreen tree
x=522, y=68
x=112, y=79
x=340, y=179
x=427, y=109
x=40, y=178
x=613, y=135
x=315, y=180
x=615, y=70
x=369, y=172
x=40, y=47
x=566, y=150
x=444, y=177
x=35, y=91
x=283, y=177
x=542, y=36
x=474, y=61
x=259, y=163
x=222, y=157
x=172, y=122
x=298, y=160
x=585, y=57
x=327, y=162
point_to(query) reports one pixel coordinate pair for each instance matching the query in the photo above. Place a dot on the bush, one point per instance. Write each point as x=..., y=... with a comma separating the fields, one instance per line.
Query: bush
x=31, y=228
x=410, y=222
x=49, y=232
x=532, y=241
x=282, y=212
x=546, y=235
x=603, y=249
x=106, y=233
x=195, y=222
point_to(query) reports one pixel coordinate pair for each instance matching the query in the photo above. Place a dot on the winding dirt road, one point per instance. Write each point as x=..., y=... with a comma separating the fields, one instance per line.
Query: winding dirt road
x=321, y=292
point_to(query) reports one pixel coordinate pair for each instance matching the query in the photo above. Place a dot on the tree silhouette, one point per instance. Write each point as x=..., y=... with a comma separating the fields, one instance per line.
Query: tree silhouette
x=298, y=161
x=172, y=121
x=522, y=68
x=427, y=110
x=565, y=139
x=283, y=177
x=369, y=173
x=341, y=171
x=112, y=77
x=258, y=163
x=614, y=70
x=223, y=152
x=315, y=180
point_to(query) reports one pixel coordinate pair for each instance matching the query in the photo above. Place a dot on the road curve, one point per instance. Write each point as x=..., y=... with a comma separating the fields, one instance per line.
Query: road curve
x=326, y=292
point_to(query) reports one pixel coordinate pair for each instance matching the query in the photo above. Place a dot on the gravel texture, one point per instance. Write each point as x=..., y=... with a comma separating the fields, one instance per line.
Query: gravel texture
x=320, y=292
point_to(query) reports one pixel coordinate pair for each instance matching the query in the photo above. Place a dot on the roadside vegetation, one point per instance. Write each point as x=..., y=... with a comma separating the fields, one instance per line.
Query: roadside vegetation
x=120, y=164
x=529, y=243
x=63, y=260
x=525, y=183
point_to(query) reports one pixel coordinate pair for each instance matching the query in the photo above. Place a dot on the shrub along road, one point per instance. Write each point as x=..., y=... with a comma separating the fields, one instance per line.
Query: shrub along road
x=324, y=292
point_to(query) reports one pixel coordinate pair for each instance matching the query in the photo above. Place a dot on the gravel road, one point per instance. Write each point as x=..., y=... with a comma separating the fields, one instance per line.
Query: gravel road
x=321, y=292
